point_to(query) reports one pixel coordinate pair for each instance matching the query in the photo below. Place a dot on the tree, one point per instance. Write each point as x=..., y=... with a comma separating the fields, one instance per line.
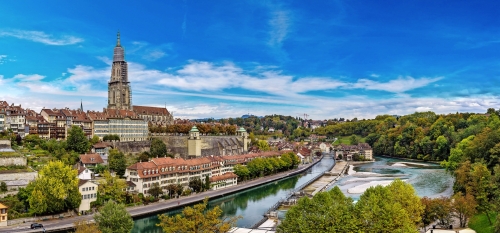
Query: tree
x=443, y=209
x=207, y=183
x=117, y=162
x=111, y=137
x=197, y=219
x=174, y=189
x=464, y=206
x=114, y=218
x=95, y=139
x=155, y=190
x=143, y=157
x=263, y=145
x=380, y=208
x=86, y=227
x=326, y=212
x=429, y=215
x=111, y=188
x=196, y=184
x=353, y=140
x=77, y=141
x=55, y=189
x=3, y=187
x=158, y=148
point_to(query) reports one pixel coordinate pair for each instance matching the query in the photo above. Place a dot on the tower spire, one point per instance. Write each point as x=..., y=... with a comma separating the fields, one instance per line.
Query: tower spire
x=118, y=39
x=81, y=105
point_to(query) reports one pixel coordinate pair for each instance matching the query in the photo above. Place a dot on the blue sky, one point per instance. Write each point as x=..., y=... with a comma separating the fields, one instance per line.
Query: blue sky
x=329, y=59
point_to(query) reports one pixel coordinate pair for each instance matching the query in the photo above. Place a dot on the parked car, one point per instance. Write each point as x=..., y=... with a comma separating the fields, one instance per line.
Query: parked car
x=36, y=225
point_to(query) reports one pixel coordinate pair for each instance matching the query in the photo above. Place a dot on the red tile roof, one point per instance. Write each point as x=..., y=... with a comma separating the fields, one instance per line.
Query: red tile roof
x=91, y=159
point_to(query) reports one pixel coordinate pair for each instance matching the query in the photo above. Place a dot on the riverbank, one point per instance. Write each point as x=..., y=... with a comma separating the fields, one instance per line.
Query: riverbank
x=164, y=205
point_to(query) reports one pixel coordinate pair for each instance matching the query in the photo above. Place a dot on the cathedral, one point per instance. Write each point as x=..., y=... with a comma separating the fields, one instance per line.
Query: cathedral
x=120, y=94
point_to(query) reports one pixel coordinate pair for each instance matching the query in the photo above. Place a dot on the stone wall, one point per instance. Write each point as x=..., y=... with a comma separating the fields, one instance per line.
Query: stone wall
x=19, y=176
x=177, y=145
x=11, y=161
x=5, y=144
x=132, y=147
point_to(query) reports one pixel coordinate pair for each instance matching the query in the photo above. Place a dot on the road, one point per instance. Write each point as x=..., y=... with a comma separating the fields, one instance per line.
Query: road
x=157, y=207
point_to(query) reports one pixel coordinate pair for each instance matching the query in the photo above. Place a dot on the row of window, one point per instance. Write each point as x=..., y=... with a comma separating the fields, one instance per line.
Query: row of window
x=89, y=196
x=88, y=189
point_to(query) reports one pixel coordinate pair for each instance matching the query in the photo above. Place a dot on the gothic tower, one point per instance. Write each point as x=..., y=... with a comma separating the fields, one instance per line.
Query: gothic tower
x=119, y=94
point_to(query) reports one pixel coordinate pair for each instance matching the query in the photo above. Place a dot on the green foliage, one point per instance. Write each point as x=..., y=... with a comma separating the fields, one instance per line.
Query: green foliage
x=55, y=189
x=174, y=189
x=207, y=183
x=395, y=207
x=95, y=139
x=3, y=187
x=195, y=184
x=480, y=224
x=326, y=212
x=263, y=145
x=114, y=218
x=17, y=208
x=111, y=137
x=111, y=188
x=77, y=141
x=99, y=168
x=117, y=162
x=353, y=140
x=158, y=148
x=197, y=219
x=155, y=190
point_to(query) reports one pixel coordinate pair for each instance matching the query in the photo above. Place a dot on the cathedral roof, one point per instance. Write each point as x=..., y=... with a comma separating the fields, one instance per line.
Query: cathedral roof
x=146, y=110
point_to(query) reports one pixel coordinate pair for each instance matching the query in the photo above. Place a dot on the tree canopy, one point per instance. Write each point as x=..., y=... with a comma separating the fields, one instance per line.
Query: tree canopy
x=77, y=141
x=55, y=189
x=197, y=219
x=158, y=148
x=114, y=218
x=117, y=162
x=395, y=207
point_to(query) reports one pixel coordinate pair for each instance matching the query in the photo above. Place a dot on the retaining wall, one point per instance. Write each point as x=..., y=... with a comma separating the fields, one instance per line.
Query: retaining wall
x=10, y=161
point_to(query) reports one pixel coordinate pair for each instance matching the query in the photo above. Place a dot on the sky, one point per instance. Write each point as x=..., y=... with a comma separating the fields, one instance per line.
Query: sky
x=326, y=59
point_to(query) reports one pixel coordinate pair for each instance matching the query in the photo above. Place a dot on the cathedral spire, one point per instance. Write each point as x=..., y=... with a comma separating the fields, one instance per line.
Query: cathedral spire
x=81, y=105
x=119, y=53
x=118, y=39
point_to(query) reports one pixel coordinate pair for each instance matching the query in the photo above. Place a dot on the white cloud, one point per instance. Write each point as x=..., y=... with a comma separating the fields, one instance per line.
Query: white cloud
x=279, y=27
x=42, y=37
x=2, y=59
x=399, y=85
x=153, y=55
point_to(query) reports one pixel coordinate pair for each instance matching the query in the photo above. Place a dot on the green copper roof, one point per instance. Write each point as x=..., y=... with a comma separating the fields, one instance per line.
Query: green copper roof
x=241, y=129
x=194, y=129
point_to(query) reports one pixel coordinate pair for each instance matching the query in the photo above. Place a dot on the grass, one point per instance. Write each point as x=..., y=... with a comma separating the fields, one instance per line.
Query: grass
x=480, y=223
x=345, y=140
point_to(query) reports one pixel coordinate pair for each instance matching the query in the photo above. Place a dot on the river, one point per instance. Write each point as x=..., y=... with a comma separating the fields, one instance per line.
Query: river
x=251, y=204
x=427, y=179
